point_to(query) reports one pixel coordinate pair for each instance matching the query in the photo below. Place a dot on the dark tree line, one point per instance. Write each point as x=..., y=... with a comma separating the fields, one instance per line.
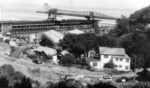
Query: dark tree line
x=134, y=35
x=131, y=33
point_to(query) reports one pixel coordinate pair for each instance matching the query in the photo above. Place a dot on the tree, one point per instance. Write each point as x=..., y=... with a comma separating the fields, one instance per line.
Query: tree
x=137, y=45
x=89, y=41
x=108, y=41
x=133, y=35
x=68, y=59
x=110, y=64
x=79, y=44
x=141, y=15
x=122, y=26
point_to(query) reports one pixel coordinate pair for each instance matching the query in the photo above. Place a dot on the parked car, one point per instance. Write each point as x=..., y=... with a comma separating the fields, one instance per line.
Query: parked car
x=106, y=78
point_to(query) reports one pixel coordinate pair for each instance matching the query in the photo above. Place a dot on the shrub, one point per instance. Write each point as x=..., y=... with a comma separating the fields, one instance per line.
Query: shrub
x=25, y=83
x=136, y=85
x=67, y=83
x=4, y=83
x=116, y=72
x=7, y=41
x=110, y=64
x=67, y=60
x=144, y=75
x=101, y=85
x=9, y=78
x=7, y=70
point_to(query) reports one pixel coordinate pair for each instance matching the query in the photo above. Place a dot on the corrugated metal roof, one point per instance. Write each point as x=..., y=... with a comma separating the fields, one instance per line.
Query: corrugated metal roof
x=47, y=50
x=53, y=36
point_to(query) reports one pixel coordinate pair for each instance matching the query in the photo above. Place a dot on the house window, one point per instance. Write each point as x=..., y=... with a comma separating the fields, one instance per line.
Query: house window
x=121, y=59
x=116, y=65
x=126, y=67
x=127, y=60
x=120, y=66
x=105, y=56
x=94, y=64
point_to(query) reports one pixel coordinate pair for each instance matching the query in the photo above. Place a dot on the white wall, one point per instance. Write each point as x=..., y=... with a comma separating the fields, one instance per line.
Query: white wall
x=55, y=59
x=95, y=67
x=123, y=63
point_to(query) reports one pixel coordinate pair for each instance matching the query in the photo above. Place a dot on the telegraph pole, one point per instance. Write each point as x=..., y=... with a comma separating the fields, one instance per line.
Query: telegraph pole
x=1, y=19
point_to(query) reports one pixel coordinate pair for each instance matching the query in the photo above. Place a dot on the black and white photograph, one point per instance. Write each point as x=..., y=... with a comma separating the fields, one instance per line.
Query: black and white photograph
x=74, y=43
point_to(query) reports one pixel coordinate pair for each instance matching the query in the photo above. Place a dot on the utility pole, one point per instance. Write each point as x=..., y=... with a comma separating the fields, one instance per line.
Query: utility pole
x=1, y=19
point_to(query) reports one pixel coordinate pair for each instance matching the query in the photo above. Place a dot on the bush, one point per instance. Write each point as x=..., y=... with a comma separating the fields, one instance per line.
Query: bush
x=7, y=41
x=4, y=83
x=71, y=83
x=144, y=75
x=7, y=70
x=67, y=83
x=110, y=64
x=116, y=72
x=25, y=83
x=136, y=85
x=9, y=78
x=68, y=60
x=101, y=85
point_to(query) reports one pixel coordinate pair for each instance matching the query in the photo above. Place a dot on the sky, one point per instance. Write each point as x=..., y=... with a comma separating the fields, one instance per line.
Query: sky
x=26, y=9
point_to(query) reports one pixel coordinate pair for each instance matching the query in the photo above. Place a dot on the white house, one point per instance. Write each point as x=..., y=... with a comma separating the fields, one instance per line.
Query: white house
x=117, y=55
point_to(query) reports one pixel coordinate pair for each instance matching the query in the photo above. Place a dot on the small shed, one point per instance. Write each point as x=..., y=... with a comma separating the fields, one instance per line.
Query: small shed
x=93, y=63
x=48, y=51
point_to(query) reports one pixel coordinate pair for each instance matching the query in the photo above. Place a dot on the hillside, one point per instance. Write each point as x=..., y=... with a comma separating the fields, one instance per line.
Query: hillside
x=46, y=72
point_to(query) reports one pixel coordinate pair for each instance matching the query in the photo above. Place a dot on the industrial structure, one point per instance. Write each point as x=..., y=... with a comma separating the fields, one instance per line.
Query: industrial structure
x=90, y=15
x=26, y=27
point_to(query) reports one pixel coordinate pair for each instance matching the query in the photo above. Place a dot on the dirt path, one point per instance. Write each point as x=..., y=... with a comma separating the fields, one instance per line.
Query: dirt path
x=18, y=51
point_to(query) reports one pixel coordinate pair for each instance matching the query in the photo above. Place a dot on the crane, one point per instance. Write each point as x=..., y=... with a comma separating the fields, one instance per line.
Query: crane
x=54, y=12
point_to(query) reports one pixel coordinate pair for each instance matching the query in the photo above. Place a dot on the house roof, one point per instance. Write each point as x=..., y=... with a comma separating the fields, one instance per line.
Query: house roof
x=112, y=51
x=53, y=36
x=46, y=50
x=126, y=56
x=91, y=59
x=76, y=31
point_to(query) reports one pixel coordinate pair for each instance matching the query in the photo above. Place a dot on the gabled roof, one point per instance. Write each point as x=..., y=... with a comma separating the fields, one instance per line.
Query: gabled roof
x=112, y=51
x=125, y=56
x=53, y=36
x=91, y=60
x=46, y=50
